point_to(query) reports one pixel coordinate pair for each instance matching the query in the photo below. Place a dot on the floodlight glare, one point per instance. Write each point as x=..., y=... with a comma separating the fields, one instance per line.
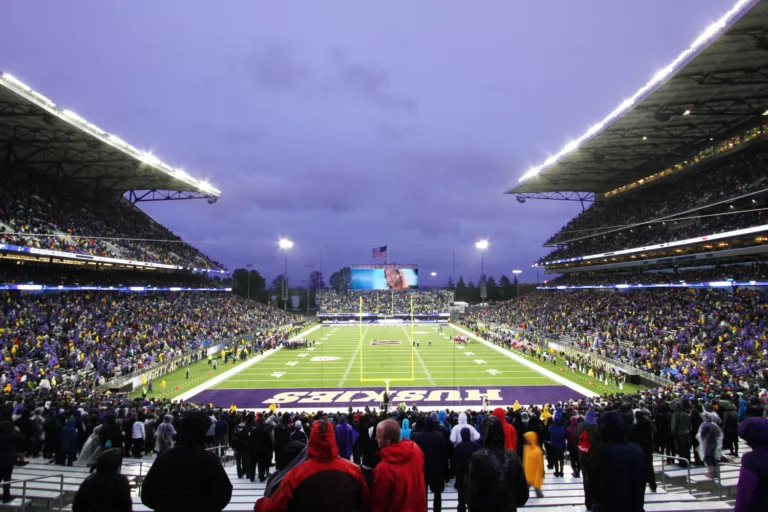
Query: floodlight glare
x=433, y=274
x=285, y=243
x=517, y=271
x=482, y=244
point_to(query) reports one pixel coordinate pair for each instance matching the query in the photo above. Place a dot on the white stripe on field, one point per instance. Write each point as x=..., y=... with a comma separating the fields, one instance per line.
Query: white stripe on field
x=543, y=371
x=352, y=361
x=421, y=361
x=234, y=371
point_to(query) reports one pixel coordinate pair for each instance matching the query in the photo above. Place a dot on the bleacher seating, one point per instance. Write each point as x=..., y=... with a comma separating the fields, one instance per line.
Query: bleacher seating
x=62, y=217
x=385, y=302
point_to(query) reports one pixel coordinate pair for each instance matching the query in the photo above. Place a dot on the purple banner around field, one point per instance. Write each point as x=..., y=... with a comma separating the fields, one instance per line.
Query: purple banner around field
x=470, y=397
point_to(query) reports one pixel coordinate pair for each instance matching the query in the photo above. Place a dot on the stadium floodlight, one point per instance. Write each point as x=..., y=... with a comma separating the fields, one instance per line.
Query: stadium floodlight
x=687, y=112
x=433, y=274
x=517, y=272
x=706, y=37
x=481, y=244
x=765, y=113
x=285, y=243
x=73, y=116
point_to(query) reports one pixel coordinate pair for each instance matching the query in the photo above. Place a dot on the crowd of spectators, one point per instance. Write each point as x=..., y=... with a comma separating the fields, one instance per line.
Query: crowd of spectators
x=387, y=459
x=741, y=272
x=742, y=173
x=662, y=232
x=695, y=336
x=385, y=302
x=81, y=275
x=60, y=217
x=79, y=340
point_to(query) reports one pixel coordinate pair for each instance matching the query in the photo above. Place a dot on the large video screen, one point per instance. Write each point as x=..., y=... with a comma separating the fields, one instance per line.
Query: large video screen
x=385, y=277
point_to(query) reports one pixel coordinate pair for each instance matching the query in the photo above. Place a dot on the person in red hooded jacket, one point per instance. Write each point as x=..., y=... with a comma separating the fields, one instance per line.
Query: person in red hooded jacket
x=324, y=482
x=510, y=435
x=398, y=480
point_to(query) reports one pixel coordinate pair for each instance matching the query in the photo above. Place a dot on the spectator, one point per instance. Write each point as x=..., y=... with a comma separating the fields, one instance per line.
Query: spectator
x=107, y=489
x=752, y=489
x=641, y=433
x=138, y=434
x=572, y=442
x=398, y=479
x=10, y=442
x=261, y=439
x=495, y=479
x=282, y=436
x=461, y=456
x=325, y=482
x=405, y=430
x=619, y=469
x=298, y=433
x=589, y=442
x=681, y=432
x=710, y=438
x=456, y=437
x=557, y=445
x=433, y=446
x=345, y=437
x=510, y=436
x=68, y=438
x=187, y=477
x=533, y=462
x=165, y=435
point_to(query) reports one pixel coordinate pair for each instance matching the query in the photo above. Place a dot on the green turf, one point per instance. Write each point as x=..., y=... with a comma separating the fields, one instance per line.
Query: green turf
x=338, y=358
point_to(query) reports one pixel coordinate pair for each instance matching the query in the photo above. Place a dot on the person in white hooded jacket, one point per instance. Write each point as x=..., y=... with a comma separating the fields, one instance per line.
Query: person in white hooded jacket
x=456, y=432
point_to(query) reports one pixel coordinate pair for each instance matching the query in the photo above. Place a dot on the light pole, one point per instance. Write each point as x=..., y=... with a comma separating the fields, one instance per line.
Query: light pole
x=248, y=273
x=517, y=282
x=482, y=245
x=309, y=266
x=285, y=244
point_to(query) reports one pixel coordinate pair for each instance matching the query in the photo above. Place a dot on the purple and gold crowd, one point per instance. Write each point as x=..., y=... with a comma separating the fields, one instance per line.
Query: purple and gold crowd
x=67, y=220
x=694, y=336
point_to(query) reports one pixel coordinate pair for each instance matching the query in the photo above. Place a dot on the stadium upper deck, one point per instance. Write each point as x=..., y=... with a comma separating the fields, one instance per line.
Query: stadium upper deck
x=69, y=188
x=686, y=152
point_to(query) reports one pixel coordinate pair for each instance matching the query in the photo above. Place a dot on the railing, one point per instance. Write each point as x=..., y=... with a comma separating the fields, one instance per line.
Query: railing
x=218, y=449
x=568, y=340
x=663, y=471
x=140, y=477
x=154, y=370
x=23, y=482
x=719, y=475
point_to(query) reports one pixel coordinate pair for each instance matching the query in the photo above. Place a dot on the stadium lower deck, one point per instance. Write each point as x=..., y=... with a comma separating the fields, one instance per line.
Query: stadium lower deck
x=422, y=364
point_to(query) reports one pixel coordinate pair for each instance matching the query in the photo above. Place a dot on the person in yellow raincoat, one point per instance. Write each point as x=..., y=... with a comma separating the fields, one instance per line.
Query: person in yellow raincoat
x=162, y=385
x=533, y=462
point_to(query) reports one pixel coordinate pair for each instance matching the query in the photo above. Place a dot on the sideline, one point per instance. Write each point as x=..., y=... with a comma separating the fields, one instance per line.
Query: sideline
x=543, y=371
x=237, y=369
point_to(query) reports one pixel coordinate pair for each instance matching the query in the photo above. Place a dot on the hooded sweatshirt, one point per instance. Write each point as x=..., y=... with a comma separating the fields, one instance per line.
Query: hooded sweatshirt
x=107, y=489
x=533, y=460
x=752, y=489
x=456, y=432
x=405, y=430
x=441, y=419
x=345, y=437
x=323, y=478
x=495, y=479
x=398, y=479
x=571, y=437
x=619, y=475
x=510, y=436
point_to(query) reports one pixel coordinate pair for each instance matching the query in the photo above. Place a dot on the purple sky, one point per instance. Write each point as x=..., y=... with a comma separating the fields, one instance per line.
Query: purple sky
x=351, y=124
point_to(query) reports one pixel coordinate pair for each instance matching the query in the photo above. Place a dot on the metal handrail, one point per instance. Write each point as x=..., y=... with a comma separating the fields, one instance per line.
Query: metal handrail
x=719, y=476
x=23, y=482
x=663, y=472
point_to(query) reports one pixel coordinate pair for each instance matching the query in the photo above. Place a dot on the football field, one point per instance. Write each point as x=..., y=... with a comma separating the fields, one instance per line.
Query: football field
x=353, y=364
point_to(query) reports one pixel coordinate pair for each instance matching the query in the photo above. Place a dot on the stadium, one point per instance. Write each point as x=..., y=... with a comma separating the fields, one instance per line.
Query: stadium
x=656, y=317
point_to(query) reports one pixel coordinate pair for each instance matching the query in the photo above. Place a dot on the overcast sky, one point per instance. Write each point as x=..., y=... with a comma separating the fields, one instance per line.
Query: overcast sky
x=347, y=124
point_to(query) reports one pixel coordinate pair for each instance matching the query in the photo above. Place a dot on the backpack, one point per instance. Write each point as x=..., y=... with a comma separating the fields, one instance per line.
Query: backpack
x=585, y=445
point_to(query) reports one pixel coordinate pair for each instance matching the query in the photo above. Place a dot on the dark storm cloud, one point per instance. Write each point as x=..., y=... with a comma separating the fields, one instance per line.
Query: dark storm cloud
x=275, y=66
x=369, y=81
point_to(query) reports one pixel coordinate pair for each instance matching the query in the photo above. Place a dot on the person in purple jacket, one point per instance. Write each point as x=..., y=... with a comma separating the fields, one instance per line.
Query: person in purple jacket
x=752, y=489
x=345, y=437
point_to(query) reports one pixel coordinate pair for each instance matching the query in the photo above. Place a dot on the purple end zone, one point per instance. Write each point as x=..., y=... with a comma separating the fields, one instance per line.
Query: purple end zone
x=371, y=396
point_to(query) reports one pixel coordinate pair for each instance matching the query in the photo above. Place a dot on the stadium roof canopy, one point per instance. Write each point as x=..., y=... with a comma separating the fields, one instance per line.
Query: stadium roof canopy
x=716, y=88
x=37, y=134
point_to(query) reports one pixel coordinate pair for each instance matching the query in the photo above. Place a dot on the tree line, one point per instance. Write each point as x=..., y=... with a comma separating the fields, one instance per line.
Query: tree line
x=250, y=283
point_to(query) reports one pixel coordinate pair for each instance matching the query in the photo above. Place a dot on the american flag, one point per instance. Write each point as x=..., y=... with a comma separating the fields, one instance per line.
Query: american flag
x=379, y=252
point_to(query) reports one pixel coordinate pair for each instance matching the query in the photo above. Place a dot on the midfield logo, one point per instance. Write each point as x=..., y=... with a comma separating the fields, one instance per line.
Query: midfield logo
x=363, y=397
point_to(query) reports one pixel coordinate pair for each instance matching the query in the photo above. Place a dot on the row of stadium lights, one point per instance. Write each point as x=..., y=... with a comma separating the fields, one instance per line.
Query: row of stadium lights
x=687, y=112
x=145, y=156
x=662, y=75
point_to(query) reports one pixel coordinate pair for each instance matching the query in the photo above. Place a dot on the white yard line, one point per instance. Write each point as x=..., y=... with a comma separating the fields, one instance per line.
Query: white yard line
x=352, y=361
x=543, y=371
x=421, y=361
x=234, y=371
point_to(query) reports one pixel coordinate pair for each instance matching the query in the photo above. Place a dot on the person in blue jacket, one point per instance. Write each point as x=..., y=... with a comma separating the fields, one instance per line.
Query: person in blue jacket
x=68, y=439
x=557, y=445
x=405, y=430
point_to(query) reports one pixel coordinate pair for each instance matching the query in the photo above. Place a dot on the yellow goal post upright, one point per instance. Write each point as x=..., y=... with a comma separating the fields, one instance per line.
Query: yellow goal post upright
x=413, y=354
